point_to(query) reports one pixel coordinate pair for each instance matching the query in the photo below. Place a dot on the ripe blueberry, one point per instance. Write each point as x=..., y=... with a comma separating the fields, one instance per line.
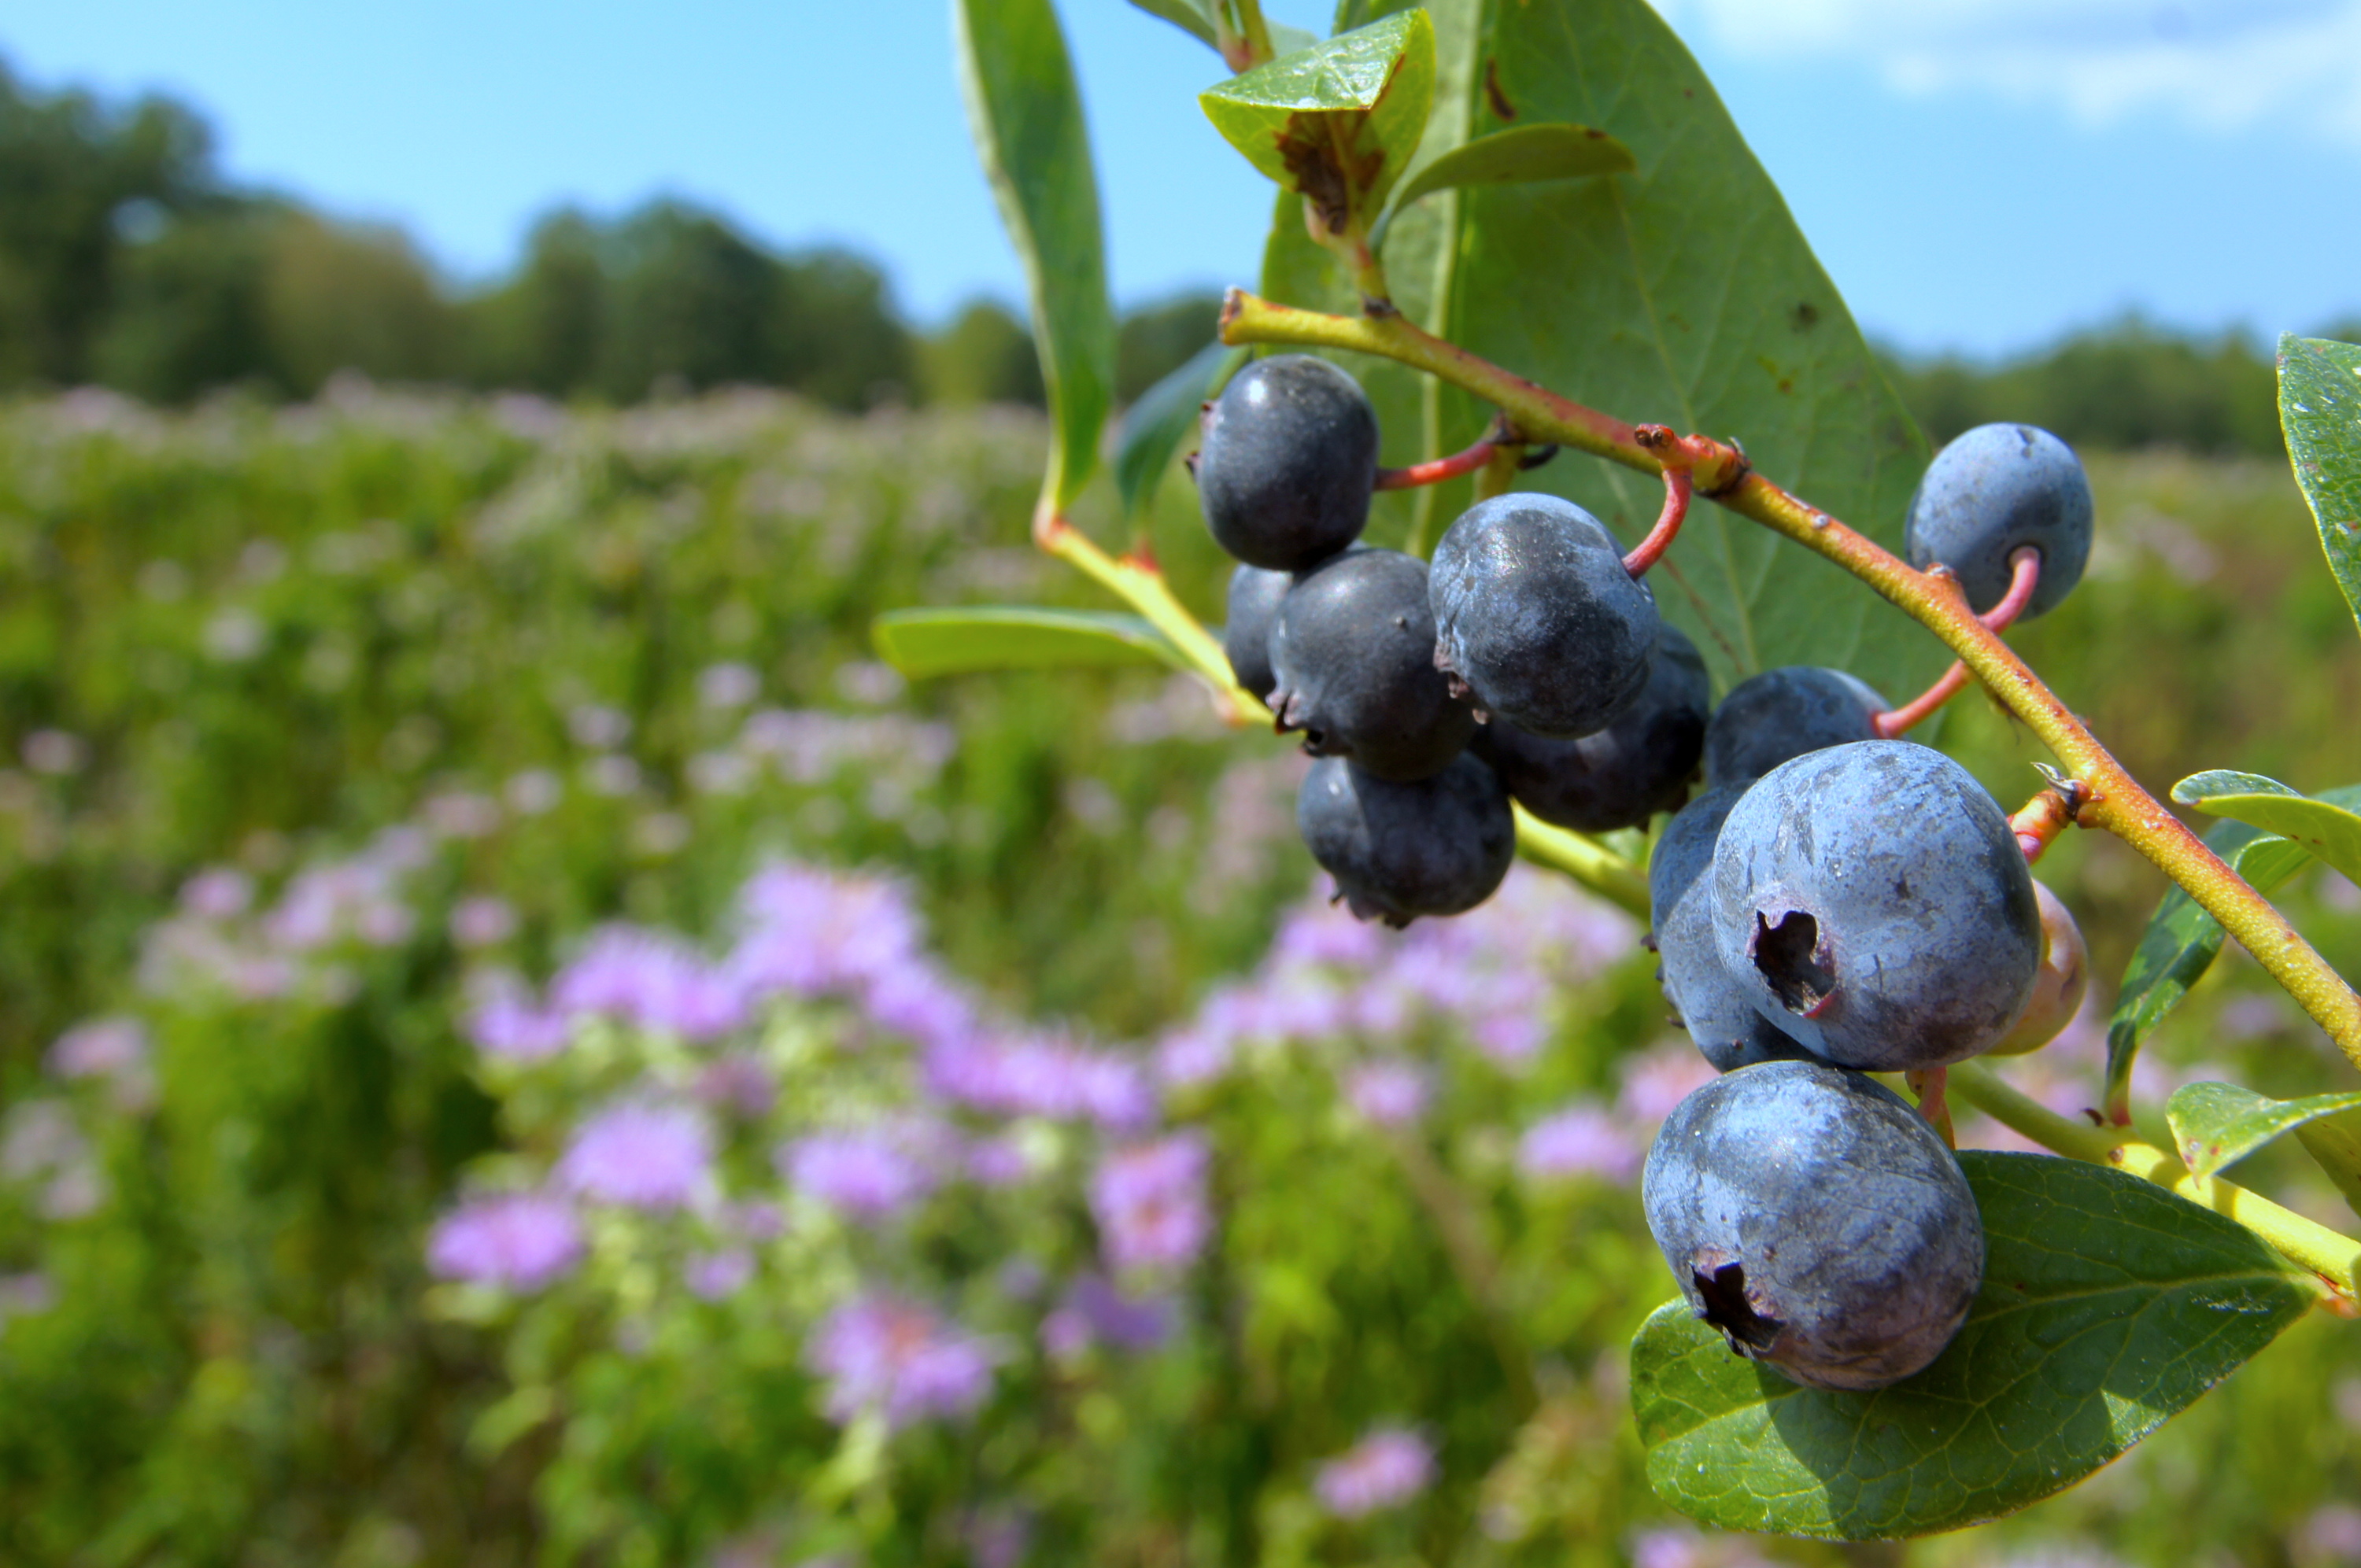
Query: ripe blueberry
x=1246, y=637
x=1817, y=1222
x=1536, y=615
x=1439, y=846
x=1785, y=713
x=1991, y=491
x=2057, y=989
x=1716, y=1008
x=1352, y=652
x=1873, y=901
x=1625, y=773
x=1288, y=460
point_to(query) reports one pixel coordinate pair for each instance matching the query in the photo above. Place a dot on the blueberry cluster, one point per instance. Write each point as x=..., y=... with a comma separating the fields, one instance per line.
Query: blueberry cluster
x=1526, y=664
x=1835, y=903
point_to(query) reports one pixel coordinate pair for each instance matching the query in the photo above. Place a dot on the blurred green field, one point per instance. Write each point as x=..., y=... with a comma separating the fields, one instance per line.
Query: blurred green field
x=602, y=665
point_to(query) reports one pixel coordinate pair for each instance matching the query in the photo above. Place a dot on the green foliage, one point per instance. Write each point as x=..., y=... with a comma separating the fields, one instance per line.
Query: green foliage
x=1025, y=116
x=1336, y=124
x=2215, y=1125
x=986, y=355
x=926, y=642
x=1164, y=420
x=2107, y=1306
x=2320, y=415
x=2325, y=828
x=1521, y=155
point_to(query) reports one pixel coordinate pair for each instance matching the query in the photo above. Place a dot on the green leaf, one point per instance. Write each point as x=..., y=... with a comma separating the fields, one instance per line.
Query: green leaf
x=922, y=642
x=1189, y=15
x=2328, y=831
x=2180, y=944
x=1679, y=294
x=2218, y=1125
x=1519, y=156
x=2334, y=1143
x=1163, y=418
x=2320, y=409
x=1337, y=122
x=2108, y=1304
x=1027, y=119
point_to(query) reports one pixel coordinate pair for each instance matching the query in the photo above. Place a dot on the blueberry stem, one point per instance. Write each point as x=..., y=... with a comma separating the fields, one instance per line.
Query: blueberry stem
x=1137, y=580
x=2332, y=1257
x=2046, y=815
x=1721, y=471
x=1441, y=468
x=1585, y=859
x=1678, y=485
x=1930, y=1085
x=2025, y=575
x=1247, y=45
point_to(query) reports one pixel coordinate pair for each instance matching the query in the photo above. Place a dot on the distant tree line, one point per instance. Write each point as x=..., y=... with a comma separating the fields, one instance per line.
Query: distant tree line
x=128, y=262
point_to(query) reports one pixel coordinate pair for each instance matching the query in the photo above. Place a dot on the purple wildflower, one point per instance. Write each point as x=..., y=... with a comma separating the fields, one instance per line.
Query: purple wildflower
x=1093, y=1311
x=899, y=1359
x=461, y=813
x=715, y=1275
x=507, y=1022
x=1017, y=1075
x=1149, y=1201
x=868, y=1174
x=482, y=921
x=519, y=1241
x=104, y=1047
x=1384, y=1470
x=1584, y=1139
x=1656, y=1080
x=220, y=893
x=1387, y=1093
x=742, y=1083
x=640, y=1155
x=728, y=686
x=652, y=981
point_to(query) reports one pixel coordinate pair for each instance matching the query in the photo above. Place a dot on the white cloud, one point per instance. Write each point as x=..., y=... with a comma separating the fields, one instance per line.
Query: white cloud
x=2219, y=64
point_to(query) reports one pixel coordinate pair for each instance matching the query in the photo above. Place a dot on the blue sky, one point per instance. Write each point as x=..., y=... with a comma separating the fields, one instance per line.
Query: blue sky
x=1976, y=174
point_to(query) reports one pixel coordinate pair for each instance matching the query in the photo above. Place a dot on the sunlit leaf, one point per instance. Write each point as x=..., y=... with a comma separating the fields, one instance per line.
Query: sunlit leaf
x=1337, y=122
x=2334, y=1143
x=1520, y=155
x=1189, y=15
x=2320, y=409
x=922, y=642
x=2327, y=829
x=1679, y=294
x=1027, y=119
x=1156, y=426
x=2108, y=1304
x=2215, y=1125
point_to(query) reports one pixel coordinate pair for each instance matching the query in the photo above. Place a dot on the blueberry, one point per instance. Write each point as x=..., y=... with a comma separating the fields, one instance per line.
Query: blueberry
x=1873, y=901
x=1817, y=1222
x=1353, y=655
x=1625, y=773
x=1992, y=490
x=1716, y=1008
x=1785, y=713
x=1288, y=463
x=1534, y=613
x=1439, y=846
x=1246, y=638
x=2057, y=990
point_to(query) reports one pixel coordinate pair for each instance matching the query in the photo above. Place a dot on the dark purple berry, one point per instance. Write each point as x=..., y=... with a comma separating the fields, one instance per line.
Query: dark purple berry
x=1817, y=1222
x=1536, y=614
x=1992, y=491
x=1874, y=903
x=1716, y=1007
x=1439, y=846
x=1288, y=464
x=1246, y=637
x=1785, y=713
x=1625, y=773
x=1353, y=655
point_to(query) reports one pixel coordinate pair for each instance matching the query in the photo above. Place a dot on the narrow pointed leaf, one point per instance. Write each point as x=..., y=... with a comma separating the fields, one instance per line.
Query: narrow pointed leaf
x=1163, y=419
x=2327, y=829
x=2108, y=1305
x=2334, y=1143
x=1189, y=15
x=2216, y=1125
x=1348, y=112
x=1026, y=118
x=2181, y=942
x=1520, y=155
x=922, y=642
x=2320, y=411
x=1679, y=294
